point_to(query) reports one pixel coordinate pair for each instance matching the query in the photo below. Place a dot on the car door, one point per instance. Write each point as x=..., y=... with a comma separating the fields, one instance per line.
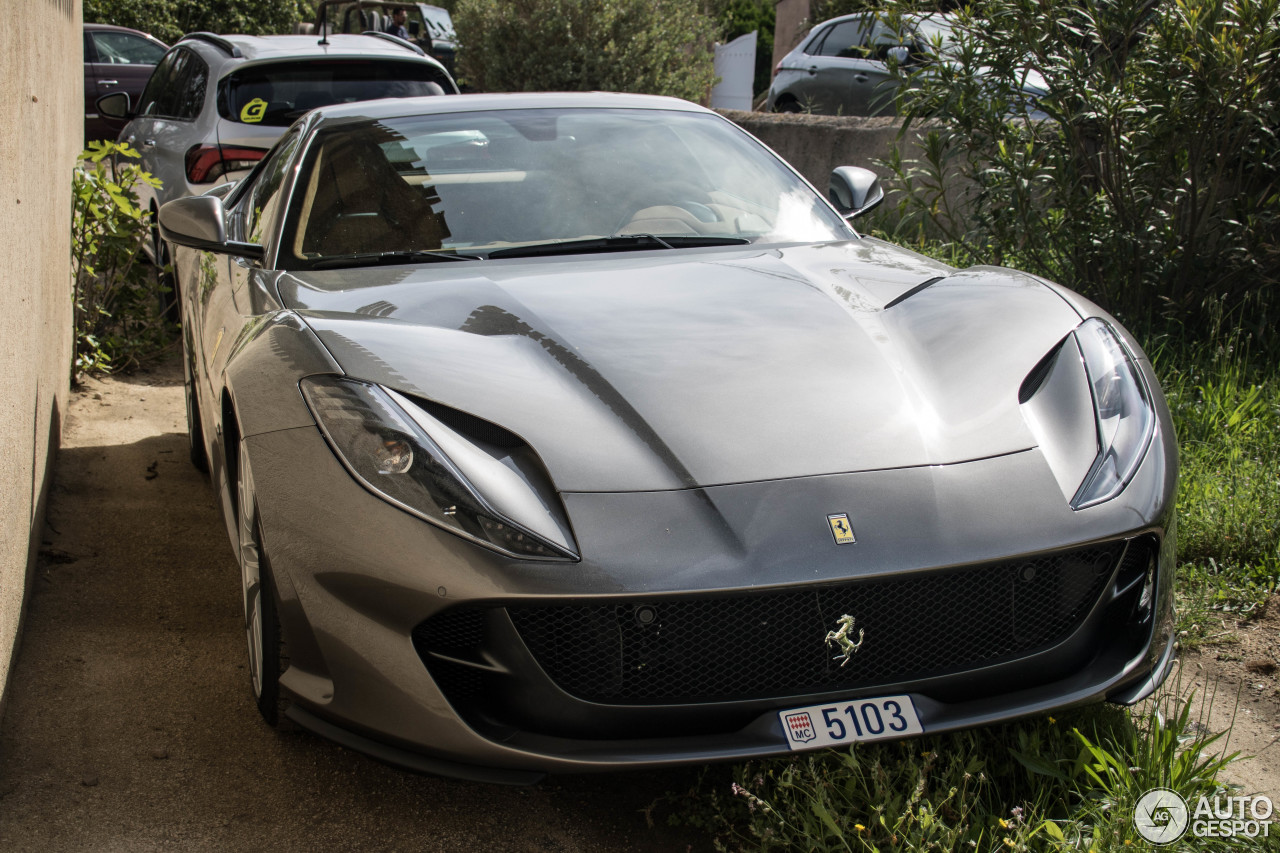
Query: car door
x=880, y=84
x=121, y=62
x=165, y=126
x=841, y=71
x=95, y=127
x=226, y=304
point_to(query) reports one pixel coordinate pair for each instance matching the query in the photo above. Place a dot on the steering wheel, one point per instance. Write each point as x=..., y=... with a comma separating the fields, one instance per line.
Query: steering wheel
x=655, y=197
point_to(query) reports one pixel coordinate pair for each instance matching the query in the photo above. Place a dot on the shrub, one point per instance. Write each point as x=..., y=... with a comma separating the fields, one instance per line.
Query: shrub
x=1152, y=185
x=661, y=47
x=117, y=322
x=169, y=20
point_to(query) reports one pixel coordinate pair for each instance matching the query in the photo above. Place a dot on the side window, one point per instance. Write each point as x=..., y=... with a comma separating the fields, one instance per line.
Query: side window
x=845, y=40
x=126, y=49
x=259, y=203
x=190, y=98
x=90, y=53
x=149, y=103
x=177, y=87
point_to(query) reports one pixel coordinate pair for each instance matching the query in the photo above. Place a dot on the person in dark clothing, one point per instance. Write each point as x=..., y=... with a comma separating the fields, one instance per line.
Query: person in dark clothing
x=396, y=27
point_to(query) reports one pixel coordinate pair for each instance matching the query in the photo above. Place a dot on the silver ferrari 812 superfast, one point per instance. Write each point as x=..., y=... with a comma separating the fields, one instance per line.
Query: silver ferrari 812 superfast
x=560, y=433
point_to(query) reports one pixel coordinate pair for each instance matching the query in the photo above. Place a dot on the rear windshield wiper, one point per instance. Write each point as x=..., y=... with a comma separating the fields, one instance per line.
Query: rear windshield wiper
x=626, y=243
x=372, y=259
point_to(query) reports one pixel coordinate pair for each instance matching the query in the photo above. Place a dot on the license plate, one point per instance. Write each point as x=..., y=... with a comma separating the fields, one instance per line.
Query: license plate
x=845, y=722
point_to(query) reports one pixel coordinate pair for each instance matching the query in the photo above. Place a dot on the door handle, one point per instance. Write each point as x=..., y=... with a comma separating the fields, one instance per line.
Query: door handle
x=813, y=69
x=108, y=82
x=861, y=78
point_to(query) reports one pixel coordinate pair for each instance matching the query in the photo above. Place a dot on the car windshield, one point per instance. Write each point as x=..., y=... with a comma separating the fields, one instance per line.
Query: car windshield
x=275, y=95
x=544, y=181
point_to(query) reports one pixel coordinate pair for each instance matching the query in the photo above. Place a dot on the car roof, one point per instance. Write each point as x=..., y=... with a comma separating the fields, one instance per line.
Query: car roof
x=112, y=28
x=396, y=107
x=254, y=48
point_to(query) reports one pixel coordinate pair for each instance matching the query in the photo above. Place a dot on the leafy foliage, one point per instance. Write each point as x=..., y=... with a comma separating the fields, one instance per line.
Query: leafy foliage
x=169, y=20
x=661, y=47
x=1152, y=185
x=117, y=324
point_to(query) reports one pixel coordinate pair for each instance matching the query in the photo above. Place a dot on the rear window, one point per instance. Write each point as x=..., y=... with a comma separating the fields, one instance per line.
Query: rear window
x=276, y=95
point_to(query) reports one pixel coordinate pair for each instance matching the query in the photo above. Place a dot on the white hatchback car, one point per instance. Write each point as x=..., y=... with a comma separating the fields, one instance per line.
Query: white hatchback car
x=216, y=104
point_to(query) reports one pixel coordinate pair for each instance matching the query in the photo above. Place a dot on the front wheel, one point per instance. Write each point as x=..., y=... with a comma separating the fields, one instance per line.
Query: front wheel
x=268, y=658
x=195, y=429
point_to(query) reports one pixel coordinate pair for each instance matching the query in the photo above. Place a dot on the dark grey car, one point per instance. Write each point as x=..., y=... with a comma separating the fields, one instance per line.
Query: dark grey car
x=575, y=432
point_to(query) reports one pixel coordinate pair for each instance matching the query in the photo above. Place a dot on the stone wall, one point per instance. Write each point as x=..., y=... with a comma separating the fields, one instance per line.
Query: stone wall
x=815, y=144
x=41, y=131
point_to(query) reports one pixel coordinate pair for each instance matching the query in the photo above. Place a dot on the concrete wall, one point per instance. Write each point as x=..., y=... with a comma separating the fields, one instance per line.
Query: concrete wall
x=41, y=131
x=815, y=144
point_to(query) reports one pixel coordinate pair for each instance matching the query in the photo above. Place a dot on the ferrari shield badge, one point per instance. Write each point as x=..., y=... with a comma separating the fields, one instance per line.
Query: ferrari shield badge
x=841, y=529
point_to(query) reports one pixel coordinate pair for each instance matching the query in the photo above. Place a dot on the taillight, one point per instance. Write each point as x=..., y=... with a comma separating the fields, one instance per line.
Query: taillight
x=207, y=163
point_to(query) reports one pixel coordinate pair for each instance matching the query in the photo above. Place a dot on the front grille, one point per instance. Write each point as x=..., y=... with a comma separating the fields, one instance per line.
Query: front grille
x=771, y=644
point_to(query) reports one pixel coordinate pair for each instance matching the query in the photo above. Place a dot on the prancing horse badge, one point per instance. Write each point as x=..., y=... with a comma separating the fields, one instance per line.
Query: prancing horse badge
x=841, y=529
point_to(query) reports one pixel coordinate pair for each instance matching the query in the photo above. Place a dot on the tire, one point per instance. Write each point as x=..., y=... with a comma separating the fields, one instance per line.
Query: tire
x=166, y=284
x=268, y=657
x=195, y=429
x=786, y=105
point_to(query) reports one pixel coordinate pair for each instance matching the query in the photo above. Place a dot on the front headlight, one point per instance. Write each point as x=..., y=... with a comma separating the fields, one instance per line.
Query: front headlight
x=1122, y=410
x=395, y=449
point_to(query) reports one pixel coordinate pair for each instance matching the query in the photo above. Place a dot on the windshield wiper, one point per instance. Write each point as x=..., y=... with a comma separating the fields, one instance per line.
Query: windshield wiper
x=373, y=259
x=622, y=243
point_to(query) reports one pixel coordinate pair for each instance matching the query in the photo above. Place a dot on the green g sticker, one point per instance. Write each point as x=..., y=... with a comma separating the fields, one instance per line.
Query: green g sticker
x=253, y=111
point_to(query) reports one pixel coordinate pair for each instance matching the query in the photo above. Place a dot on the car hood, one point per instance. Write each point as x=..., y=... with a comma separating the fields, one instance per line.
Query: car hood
x=665, y=370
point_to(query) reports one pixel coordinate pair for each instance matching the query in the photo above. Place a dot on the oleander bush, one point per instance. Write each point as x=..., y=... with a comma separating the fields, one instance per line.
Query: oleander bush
x=169, y=20
x=658, y=47
x=1147, y=176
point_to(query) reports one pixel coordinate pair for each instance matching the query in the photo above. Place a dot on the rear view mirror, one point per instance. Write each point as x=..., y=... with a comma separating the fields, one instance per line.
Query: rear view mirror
x=901, y=54
x=115, y=106
x=854, y=191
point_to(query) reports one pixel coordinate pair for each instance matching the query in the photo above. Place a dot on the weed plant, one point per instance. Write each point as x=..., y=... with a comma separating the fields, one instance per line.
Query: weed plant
x=118, y=324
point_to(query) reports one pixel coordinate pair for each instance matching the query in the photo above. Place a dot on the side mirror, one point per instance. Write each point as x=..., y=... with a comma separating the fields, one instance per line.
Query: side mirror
x=115, y=106
x=854, y=191
x=200, y=222
x=901, y=54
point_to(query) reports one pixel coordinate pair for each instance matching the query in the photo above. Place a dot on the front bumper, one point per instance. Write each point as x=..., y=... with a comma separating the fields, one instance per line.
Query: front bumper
x=358, y=576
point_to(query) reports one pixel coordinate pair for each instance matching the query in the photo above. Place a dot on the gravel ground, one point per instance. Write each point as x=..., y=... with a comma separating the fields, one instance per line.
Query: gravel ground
x=130, y=726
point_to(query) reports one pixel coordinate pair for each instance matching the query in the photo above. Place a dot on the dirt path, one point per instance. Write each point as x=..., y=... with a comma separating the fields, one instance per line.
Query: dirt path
x=1237, y=686
x=130, y=726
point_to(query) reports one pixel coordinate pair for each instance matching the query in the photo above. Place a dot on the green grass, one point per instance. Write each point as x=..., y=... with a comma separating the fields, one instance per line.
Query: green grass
x=1048, y=784
x=1068, y=783
x=1225, y=401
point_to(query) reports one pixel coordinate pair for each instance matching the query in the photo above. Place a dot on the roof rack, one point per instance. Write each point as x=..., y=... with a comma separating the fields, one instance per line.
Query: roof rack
x=216, y=41
x=395, y=40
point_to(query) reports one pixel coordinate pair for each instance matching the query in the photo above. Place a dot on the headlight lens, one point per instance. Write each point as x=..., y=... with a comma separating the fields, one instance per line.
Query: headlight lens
x=1122, y=408
x=393, y=456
